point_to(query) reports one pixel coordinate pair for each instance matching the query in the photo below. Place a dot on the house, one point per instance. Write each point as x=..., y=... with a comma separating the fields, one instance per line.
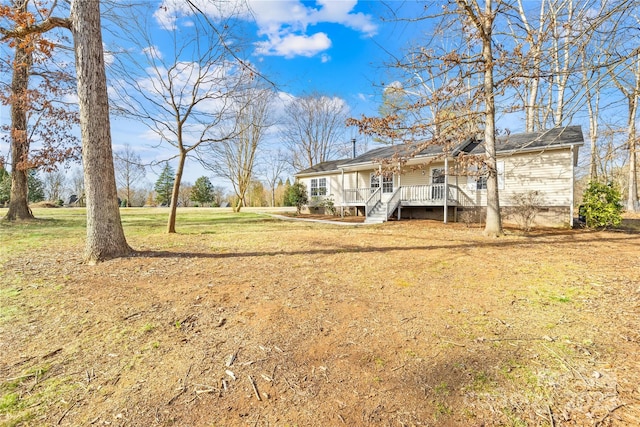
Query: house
x=433, y=184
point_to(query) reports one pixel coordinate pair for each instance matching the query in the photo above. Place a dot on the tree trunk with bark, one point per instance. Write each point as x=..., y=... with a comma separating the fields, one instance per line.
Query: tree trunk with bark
x=493, y=227
x=632, y=196
x=634, y=98
x=483, y=21
x=19, y=198
x=105, y=236
x=171, y=224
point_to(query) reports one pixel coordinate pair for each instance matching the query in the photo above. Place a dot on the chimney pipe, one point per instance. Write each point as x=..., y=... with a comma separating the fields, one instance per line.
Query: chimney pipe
x=353, y=143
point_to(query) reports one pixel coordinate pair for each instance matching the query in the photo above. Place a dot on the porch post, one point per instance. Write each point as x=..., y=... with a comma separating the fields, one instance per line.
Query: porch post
x=399, y=188
x=446, y=187
x=573, y=177
x=343, y=193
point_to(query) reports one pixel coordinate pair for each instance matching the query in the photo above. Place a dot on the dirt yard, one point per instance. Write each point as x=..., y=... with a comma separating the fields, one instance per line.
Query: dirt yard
x=287, y=323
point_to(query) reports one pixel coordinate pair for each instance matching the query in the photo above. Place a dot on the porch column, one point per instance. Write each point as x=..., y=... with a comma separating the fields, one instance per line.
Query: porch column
x=399, y=189
x=446, y=187
x=343, y=193
x=573, y=184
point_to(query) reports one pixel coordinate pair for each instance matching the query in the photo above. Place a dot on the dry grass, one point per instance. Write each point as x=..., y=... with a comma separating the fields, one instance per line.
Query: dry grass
x=406, y=323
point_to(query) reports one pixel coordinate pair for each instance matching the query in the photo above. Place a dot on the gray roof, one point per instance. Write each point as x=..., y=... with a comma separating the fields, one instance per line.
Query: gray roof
x=532, y=141
x=331, y=165
x=535, y=141
x=392, y=150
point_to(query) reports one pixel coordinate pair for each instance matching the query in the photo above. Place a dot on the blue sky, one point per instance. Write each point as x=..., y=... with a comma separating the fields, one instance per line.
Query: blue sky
x=327, y=47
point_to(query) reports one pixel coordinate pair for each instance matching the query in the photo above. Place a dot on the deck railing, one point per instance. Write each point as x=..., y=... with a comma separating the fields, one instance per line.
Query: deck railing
x=358, y=195
x=373, y=200
x=420, y=193
x=394, y=201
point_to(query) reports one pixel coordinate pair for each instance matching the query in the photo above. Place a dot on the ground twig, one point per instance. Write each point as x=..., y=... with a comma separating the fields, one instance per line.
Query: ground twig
x=608, y=414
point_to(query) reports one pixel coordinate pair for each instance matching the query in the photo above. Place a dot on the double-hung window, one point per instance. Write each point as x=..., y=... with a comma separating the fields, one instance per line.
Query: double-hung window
x=481, y=182
x=318, y=187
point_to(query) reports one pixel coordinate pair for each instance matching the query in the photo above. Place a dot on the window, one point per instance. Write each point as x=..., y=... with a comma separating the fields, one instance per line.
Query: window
x=387, y=183
x=477, y=180
x=318, y=187
x=481, y=182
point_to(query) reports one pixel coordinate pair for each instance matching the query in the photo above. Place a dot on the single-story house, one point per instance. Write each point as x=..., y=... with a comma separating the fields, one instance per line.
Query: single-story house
x=433, y=184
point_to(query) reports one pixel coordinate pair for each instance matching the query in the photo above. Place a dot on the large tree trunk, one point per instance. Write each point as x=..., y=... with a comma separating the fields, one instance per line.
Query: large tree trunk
x=493, y=227
x=105, y=236
x=632, y=199
x=19, y=198
x=634, y=97
x=534, y=39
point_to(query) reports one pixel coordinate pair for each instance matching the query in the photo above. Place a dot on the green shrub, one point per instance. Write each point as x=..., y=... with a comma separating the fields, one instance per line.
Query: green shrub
x=601, y=205
x=329, y=206
x=296, y=195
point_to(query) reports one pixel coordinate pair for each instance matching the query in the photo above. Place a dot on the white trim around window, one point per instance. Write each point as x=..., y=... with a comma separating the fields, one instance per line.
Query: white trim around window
x=318, y=187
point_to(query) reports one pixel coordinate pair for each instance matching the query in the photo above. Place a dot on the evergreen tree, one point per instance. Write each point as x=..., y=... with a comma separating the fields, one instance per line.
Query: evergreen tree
x=164, y=185
x=36, y=187
x=5, y=186
x=202, y=191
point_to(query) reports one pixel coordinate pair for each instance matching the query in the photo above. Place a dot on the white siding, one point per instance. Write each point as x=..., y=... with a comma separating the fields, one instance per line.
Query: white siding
x=416, y=177
x=549, y=173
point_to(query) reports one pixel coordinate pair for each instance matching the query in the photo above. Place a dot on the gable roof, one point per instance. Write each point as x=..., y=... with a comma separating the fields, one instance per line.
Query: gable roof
x=556, y=138
x=534, y=141
x=331, y=165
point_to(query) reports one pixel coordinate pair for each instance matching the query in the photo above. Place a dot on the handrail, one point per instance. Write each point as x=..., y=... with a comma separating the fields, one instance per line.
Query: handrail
x=356, y=195
x=393, y=201
x=376, y=196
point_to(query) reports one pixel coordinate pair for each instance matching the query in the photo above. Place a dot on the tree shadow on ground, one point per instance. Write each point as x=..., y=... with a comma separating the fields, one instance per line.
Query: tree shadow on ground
x=336, y=249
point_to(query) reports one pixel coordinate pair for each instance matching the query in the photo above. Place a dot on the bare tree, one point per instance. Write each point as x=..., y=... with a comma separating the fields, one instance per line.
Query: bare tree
x=38, y=117
x=313, y=130
x=184, y=96
x=235, y=158
x=129, y=171
x=273, y=166
x=55, y=183
x=452, y=84
x=77, y=185
x=629, y=85
x=184, y=196
x=105, y=236
x=483, y=20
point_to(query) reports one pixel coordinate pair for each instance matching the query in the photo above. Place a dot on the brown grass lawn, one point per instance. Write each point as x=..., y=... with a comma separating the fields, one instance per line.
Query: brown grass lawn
x=253, y=321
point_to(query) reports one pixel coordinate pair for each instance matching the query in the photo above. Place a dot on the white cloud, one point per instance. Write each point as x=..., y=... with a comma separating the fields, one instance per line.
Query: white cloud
x=325, y=58
x=283, y=23
x=153, y=52
x=170, y=11
x=294, y=45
